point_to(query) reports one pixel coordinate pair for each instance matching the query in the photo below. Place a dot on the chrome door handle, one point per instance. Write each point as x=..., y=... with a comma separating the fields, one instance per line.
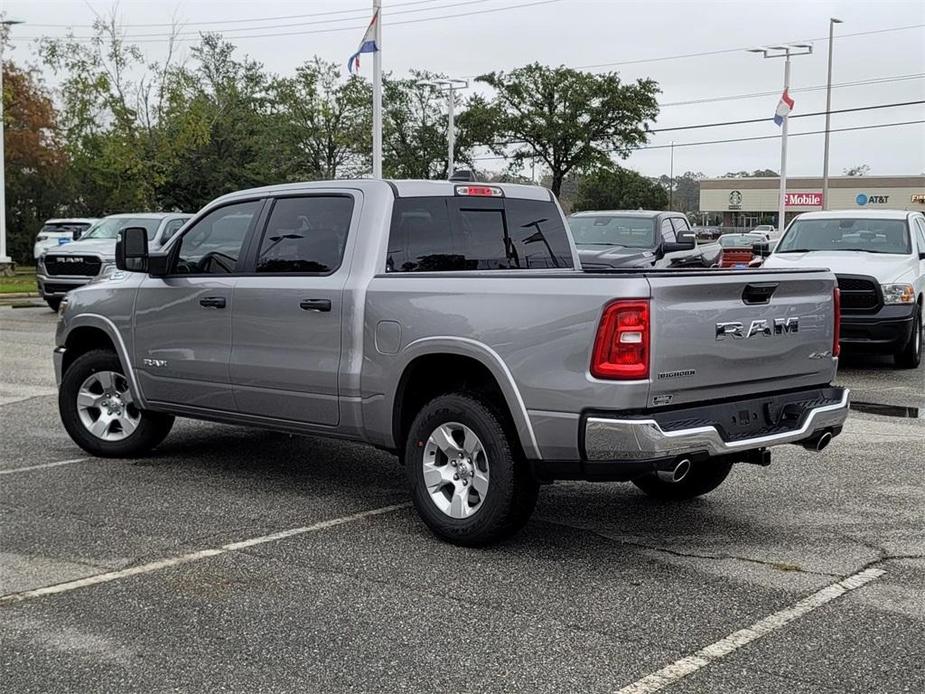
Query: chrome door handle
x=213, y=302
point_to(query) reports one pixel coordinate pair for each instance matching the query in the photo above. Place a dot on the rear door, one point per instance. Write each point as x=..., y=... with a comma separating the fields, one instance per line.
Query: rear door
x=183, y=320
x=722, y=334
x=289, y=308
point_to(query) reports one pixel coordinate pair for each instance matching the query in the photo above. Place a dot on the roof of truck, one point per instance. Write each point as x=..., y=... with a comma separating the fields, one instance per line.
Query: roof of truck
x=856, y=214
x=400, y=187
x=627, y=213
x=147, y=215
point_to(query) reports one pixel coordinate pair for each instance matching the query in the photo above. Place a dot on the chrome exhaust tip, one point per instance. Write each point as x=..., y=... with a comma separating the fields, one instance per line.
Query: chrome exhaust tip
x=818, y=443
x=676, y=473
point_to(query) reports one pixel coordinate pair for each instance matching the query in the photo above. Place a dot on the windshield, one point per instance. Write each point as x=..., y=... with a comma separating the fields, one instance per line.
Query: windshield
x=738, y=240
x=870, y=235
x=110, y=227
x=610, y=230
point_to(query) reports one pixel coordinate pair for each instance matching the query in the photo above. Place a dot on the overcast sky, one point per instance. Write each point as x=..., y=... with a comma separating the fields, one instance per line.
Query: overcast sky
x=496, y=34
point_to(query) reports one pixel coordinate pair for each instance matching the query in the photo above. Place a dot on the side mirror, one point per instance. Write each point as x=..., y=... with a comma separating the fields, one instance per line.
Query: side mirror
x=132, y=249
x=687, y=241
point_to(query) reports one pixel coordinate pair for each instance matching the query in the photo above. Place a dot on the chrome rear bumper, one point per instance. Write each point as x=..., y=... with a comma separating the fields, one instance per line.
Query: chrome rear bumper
x=643, y=439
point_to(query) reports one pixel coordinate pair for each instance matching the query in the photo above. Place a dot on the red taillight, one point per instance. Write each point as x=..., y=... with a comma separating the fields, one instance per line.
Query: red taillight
x=621, y=348
x=480, y=191
x=836, y=302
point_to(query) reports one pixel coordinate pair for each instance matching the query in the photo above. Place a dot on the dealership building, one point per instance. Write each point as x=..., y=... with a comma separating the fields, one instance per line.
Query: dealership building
x=747, y=202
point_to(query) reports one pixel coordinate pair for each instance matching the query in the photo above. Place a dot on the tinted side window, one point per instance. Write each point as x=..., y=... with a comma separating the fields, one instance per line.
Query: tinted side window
x=306, y=235
x=171, y=228
x=213, y=244
x=680, y=224
x=445, y=234
x=667, y=232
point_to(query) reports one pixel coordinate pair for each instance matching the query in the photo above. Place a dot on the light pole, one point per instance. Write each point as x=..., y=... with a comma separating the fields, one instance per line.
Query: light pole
x=450, y=86
x=828, y=113
x=784, y=52
x=5, y=261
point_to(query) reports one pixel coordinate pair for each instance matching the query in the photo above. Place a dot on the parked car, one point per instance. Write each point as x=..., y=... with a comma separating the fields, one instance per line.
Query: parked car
x=878, y=257
x=766, y=230
x=708, y=233
x=738, y=250
x=60, y=270
x=638, y=238
x=451, y=324
x=57, y=232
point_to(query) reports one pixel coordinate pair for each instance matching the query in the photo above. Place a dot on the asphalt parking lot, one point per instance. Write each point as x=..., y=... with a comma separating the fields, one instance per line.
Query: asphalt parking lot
x=244, y=561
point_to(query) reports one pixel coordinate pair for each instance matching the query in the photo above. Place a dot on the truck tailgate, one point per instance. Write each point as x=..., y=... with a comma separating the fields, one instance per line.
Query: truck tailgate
x=720, y=334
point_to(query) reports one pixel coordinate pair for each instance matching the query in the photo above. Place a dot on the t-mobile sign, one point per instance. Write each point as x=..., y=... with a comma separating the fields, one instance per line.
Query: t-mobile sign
x=803, y=199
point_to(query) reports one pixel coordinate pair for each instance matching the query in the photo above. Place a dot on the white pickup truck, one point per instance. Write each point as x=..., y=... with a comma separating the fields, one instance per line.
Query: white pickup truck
x=878, y=258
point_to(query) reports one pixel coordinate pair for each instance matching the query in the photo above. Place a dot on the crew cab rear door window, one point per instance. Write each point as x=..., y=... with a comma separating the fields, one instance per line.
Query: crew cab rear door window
x=305, y=235
x=431, y=234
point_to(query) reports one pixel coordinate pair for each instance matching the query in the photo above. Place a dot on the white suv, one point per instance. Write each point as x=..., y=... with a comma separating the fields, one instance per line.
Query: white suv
x=57, y=232
x=879, y=259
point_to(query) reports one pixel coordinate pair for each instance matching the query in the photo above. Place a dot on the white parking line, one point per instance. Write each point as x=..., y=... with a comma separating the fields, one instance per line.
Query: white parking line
x=110, y=576
x=685, y=666
x=42, y=466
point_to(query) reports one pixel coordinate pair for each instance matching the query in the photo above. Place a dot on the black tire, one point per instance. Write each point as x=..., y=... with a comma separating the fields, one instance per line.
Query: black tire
x=54, y=302
x=152, y=427
x=910, y=356
x=513, y=490
x=704, y=477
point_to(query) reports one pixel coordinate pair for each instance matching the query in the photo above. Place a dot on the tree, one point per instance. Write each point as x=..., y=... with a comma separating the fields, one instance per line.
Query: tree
x=860, y=170
x=415, y=129
x=685, y=197
x=619, y=189
x=567, y=119
x=757, y=173
x=36, y=161
x=324, y=122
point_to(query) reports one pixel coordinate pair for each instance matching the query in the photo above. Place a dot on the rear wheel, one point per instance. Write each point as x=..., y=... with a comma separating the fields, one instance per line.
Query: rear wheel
x=99, y=412
x=468, y=483
x=54, y=302
x=911, y=355
x=687, y=481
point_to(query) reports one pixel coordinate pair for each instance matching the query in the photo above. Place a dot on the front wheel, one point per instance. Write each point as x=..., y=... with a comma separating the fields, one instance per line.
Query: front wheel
x=99, y=412
x=911, y=355
x=687, y=481
x=468, y=483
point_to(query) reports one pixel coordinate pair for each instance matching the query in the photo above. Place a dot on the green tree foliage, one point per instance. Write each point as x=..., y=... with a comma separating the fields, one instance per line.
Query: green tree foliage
x=619, y=189
x=567, y=119
x=415, y=129
x=36, y=161
x=684, y=191
x=757, y=173
x=859, y=170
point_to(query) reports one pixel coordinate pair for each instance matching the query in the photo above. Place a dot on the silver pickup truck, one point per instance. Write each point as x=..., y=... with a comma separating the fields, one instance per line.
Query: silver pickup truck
x=452, y=324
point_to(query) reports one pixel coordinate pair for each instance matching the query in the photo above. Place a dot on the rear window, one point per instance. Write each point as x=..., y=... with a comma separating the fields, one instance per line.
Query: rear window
x=443, y=234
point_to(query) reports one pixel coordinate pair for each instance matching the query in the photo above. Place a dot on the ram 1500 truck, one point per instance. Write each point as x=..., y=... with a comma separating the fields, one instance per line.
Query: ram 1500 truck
x=640, y=239
x=452, y=324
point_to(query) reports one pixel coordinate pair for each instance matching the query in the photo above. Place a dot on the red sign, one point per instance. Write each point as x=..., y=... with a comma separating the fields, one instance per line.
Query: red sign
x=803, y=200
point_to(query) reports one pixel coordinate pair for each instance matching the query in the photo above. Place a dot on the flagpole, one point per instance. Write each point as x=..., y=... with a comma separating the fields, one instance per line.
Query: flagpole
x=781, y=220
x=377, y=93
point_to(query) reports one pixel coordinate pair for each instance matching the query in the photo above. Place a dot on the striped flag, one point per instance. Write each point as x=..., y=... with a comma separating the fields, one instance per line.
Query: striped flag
x=367, y=45
x=784, y=106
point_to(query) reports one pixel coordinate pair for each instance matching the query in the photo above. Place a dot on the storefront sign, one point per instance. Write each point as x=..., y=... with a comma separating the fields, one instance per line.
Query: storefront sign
x=919, y=198
x=863, y=199
x=735, y=200
x=803, y=200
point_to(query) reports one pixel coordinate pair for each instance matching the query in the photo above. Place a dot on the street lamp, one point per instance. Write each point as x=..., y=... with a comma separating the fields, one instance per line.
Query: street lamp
x=784, y=52
x=828, y=113
x=450, y=86
x=5, y=261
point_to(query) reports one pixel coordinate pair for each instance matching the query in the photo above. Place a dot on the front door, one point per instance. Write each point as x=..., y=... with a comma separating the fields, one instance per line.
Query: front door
x=183, y=320
x=288, y=312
